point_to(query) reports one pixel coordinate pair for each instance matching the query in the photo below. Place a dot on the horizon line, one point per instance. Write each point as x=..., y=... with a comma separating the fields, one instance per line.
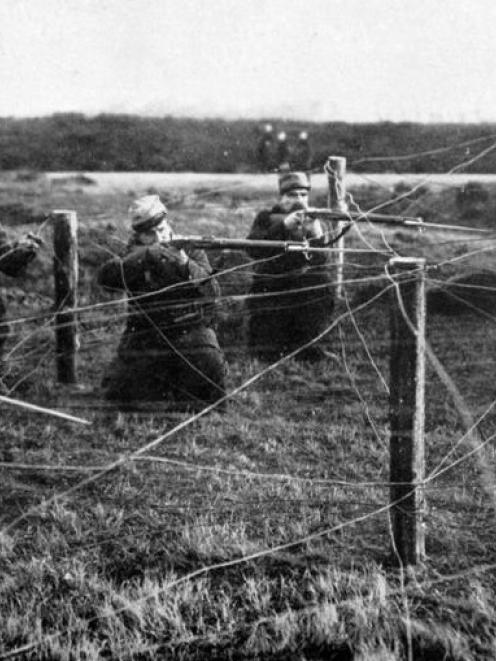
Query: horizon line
x=228, y=119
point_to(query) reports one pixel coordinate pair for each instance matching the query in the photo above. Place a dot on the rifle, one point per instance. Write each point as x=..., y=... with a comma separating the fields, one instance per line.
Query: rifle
x=381, y=218
x=221, y=243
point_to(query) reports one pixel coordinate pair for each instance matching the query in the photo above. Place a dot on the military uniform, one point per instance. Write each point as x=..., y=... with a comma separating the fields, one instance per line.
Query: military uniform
x=293, y=297
x=302, y=156
x=264, y=153
x=265, y=150
x=169, y=347
x=14, y=258
x=283, y=153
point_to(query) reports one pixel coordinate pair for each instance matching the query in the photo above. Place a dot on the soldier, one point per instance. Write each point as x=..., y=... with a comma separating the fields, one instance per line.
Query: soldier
x=302, y=157
x=293, y=296
x=264, y=149
x=282, y=152
x=169, y=348
x=14, y=257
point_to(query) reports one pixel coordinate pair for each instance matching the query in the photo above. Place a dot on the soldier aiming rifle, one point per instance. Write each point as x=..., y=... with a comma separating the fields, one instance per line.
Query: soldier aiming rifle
x=292, y=292
x=292, y=297
x=169, y=349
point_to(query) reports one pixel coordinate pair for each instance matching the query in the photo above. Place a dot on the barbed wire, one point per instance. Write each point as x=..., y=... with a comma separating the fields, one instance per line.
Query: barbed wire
x=425, y=180
x=441, y=468
x=362, y=399
x=157, y=441
x=487, y=477
x=225, y=565
x=290, y=477
x=429, y=152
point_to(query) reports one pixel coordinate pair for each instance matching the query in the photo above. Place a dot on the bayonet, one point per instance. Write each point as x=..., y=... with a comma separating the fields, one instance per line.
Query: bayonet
x=381, y=218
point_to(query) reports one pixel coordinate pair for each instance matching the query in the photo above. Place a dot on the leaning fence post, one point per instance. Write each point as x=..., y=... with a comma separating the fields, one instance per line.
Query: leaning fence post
x=65, y=270
x=336, y=171
x=407, y=409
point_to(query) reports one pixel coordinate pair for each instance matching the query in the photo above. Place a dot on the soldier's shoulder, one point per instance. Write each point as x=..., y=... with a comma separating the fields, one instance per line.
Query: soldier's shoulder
x=264, y=214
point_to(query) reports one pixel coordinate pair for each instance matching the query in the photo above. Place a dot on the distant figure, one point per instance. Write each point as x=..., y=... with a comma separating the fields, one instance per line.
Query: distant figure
x=302, y=155
x=292, y=293
x=282, y=152
x=169, y=349
x=14, y=257
x=265, y=149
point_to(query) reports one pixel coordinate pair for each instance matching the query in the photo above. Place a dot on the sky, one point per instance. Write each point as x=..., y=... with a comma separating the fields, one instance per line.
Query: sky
x=314, y=60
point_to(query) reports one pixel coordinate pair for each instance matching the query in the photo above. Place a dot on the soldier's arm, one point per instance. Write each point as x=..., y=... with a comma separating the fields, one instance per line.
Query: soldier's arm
x=14, y=257
x=170, y=265
x=199, y=270
x=266, y=226
x=124, y=272
x=160, y=262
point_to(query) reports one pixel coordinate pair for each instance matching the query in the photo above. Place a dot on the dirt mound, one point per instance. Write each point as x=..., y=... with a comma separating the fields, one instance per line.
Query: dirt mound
x=74, y=180
x=28, y=176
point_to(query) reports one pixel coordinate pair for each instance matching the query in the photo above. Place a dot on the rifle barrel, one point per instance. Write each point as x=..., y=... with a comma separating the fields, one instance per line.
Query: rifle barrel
x=329, y=214
x=220, y=243
x=402, y=221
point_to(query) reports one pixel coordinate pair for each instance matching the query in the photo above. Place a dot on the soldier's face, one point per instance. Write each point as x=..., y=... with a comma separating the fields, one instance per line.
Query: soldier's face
x=294, y=199
x=161, y=233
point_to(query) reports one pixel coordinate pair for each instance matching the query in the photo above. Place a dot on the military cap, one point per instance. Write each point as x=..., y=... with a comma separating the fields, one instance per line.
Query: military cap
x=290, y=180
x=147, y=212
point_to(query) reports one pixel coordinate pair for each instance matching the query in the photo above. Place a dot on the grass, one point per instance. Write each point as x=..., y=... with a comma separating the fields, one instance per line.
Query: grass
x=119, y=569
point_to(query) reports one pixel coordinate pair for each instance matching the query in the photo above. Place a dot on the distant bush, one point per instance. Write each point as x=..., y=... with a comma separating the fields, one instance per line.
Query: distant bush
x=131, y=143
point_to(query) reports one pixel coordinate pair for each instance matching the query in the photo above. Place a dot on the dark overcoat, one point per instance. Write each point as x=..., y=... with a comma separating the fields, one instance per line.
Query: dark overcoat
x=169, y=347
x=292, y=294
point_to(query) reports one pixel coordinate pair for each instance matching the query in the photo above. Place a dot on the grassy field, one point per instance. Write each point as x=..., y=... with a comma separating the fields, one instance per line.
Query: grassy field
x=263, y=532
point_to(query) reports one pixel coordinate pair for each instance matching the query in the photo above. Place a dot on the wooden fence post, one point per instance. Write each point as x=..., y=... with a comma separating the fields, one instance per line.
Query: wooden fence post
x=336, y=171
x=65, y=270
x=407, y=409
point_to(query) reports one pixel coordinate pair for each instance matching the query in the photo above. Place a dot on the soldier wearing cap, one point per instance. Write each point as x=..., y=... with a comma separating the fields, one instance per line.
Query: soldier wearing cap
x=14, y=258
x=282, y=150
x=292, y=294
x=169, y=349
x=302, y=156
x=265, y=148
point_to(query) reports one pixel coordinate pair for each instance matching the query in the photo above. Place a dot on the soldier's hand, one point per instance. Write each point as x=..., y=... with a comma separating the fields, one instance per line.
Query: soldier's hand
x=295, y=222
x=175, y=255
x=313, y=229
x=30, y=242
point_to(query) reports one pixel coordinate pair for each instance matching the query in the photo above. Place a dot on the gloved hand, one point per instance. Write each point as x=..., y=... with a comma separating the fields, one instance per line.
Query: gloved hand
x=175, y=255
x=302, y=228
x=294, y=222
x=30, y=241
x=162, y=258
x=313, y=229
